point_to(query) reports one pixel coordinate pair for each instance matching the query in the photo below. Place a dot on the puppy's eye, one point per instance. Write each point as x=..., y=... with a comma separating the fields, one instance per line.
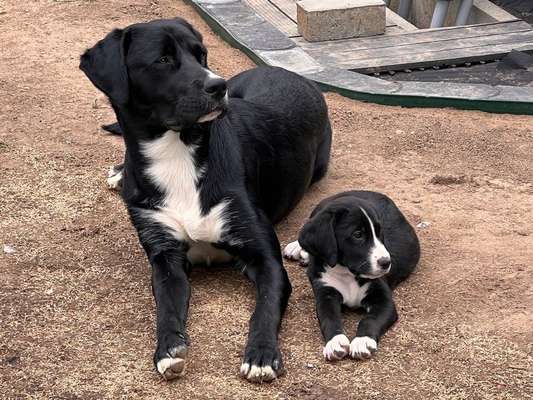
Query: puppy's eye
x=164, y=60
x=357, y=234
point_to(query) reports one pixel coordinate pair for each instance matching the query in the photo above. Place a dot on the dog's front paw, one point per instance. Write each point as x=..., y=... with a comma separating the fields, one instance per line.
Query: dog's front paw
x=170, y=360
x=363, y=347
x=293, y=251
x=337, y=348
x=262, y=363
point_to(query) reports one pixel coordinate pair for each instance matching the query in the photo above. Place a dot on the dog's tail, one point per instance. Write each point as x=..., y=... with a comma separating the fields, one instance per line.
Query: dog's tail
x=113, y=129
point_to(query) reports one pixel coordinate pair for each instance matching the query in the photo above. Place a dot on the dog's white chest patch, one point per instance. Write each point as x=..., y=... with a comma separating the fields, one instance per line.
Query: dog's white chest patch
x=343, y=280
x=172, y=169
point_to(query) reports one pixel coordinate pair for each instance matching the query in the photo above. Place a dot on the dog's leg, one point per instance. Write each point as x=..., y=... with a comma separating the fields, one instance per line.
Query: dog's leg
x=171, y=291
x=381, y=315
x=262, y=360
x=329, y=313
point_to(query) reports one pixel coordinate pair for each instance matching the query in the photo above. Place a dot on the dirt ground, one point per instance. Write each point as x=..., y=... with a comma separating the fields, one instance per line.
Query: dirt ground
x=76, y=311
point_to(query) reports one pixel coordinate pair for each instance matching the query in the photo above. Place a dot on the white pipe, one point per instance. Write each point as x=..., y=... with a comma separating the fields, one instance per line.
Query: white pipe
x=464, y=12
x=440, y=13
x=405, y=7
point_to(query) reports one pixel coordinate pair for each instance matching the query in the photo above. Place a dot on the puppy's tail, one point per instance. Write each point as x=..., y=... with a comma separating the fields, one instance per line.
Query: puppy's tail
x=113, y=129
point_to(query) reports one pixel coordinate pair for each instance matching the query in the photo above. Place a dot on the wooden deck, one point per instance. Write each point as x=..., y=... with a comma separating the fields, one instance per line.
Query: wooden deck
x=403, y=46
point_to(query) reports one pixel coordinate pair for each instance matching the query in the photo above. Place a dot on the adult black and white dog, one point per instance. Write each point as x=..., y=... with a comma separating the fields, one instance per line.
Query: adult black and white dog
x=358, y=247
x=210, y=165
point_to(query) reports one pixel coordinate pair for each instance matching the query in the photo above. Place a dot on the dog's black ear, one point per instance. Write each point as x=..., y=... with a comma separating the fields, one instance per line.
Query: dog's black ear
x=104, y=65
x=317, y=237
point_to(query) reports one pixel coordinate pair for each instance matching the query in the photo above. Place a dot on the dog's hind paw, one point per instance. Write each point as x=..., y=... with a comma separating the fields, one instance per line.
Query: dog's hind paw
x=337, y=348
x=363, y=347
x=114, y=178
x=293, y=251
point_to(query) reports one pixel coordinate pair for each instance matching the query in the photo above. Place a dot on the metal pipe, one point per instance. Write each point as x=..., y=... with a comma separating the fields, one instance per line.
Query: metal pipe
x=405, y=7
x=464, y=12
x=440, y=13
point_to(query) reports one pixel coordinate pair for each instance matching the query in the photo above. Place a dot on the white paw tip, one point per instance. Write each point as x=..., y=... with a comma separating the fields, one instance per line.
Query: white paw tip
x=337, y=348
x=171, y=368
x=256, y=373
x=363, y=347
x=293, y=251
x=114, y=178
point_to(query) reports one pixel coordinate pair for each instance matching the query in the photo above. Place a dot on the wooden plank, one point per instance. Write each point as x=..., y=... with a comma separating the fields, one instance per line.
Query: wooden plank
x=288, y=7
x=350, y=57
x=416, y=37
x=273, y=15
x=457, y=56
x=395, y=19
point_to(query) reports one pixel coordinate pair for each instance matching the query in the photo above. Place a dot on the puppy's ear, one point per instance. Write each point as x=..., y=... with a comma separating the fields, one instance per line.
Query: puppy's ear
x=317, y=237
x=104, y=65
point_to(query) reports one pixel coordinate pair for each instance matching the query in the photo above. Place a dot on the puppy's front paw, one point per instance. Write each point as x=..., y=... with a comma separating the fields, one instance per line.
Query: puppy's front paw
x=293, y=251
x=262, y=363
x=363, y=347
x=170, y=361
x=337, y=348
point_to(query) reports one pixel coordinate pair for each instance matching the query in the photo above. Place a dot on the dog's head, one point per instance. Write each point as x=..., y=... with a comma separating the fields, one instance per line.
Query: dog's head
x=159, y=68
x=349, y=234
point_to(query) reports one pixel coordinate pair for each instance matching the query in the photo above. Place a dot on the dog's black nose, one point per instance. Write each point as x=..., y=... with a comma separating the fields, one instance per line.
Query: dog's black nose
x=216, y=87
x=384, y=262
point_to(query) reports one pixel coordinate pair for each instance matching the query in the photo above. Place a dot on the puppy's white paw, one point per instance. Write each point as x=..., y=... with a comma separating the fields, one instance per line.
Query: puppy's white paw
x=293, y=251
x=171, y=368
x=337, y=348
x=258, y=374
x=114, y=178
x=363, y=347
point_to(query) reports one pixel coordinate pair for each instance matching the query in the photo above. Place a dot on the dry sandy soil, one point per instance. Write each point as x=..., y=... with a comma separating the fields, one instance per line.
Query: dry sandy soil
x=76, y=311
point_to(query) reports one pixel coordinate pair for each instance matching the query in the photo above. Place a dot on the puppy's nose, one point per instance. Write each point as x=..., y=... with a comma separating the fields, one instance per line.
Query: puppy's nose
x=384, y=262
x=216, y=87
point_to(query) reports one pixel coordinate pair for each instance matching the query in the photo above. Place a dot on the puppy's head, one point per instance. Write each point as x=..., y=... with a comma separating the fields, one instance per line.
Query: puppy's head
x=159, y=68
x=349, y=235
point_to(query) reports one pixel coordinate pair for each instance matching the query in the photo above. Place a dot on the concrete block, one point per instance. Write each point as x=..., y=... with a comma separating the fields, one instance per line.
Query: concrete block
x=320, y=20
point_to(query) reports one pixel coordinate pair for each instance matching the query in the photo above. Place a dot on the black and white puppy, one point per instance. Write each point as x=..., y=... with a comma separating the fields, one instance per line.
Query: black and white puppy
x=210, y=166
x=358, y=247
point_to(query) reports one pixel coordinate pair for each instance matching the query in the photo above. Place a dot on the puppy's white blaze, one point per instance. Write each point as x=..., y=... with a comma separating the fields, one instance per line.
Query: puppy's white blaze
x=343, y=280
x=377, y=250
x=172, y=169
x=337, y=348
x=363, y=347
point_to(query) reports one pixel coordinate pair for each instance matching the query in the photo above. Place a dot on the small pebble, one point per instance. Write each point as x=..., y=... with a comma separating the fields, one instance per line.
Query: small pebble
x=423, y=225
x=9, y=249
x=310, y=365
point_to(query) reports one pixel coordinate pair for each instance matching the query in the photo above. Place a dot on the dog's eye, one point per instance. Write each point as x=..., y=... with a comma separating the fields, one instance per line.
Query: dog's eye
x=357, y=234
x=164, y=60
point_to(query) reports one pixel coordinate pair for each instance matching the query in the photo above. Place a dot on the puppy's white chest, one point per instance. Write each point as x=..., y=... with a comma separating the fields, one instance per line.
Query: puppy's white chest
x=172, y=169
x=343, y=280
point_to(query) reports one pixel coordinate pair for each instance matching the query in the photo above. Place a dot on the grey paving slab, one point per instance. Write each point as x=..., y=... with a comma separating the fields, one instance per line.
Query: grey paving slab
x=247, y=26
